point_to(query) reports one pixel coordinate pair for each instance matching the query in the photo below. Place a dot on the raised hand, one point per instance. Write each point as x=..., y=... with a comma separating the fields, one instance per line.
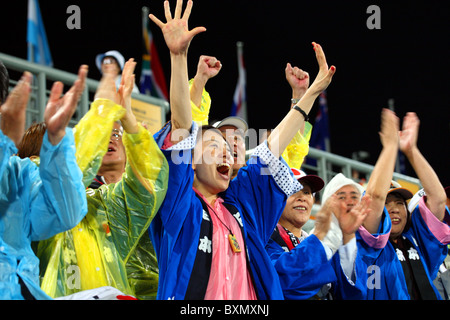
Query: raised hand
x=176, y=31
x=351, y=220
x=389, y=128
x=324, y=76
x=125, y=89
x=60, y=110
x=13, y=111
x=107, y=90
x=409, y=134
x=298, y=80
x=323, y=217
x=107, y=87
x=208, y=67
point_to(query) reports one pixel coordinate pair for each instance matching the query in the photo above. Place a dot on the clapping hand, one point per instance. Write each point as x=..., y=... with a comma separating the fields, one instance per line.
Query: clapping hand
x=13, y=111
x=60, y=109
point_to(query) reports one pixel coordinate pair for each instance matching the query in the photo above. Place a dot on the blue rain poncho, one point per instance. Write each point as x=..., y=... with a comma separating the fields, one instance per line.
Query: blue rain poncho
x=35, y=204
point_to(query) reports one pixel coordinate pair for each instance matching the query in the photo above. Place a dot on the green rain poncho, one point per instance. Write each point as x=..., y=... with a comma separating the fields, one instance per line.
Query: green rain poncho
x=110, y=246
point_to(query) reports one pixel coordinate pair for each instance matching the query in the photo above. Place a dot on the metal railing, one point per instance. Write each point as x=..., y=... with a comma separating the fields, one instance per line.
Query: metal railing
x=40, y=92
x=328, y=164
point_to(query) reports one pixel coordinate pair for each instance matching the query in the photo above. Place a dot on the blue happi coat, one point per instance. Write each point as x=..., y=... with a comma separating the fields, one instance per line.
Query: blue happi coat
x=259, y=198
x=385, y=277
x=305, y=270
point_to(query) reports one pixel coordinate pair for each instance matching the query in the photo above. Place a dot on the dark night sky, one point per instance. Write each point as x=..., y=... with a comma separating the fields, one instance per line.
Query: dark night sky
x=406, y=60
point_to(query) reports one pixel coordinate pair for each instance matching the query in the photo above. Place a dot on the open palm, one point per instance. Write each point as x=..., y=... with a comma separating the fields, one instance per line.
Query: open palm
x=175, y=30
x=60, y=109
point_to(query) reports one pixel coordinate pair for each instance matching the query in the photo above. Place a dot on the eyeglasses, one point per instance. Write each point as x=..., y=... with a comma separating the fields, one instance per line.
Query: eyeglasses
x=108, y=61
x=116, y=135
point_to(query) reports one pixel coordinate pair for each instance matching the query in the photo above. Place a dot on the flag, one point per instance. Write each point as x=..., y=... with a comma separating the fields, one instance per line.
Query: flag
x=38, y=49
x=320, y=137
x=239, y=107
x=152, y=80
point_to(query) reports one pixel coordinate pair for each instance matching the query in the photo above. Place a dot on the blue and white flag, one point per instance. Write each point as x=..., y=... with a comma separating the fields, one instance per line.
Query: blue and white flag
x=38, y=49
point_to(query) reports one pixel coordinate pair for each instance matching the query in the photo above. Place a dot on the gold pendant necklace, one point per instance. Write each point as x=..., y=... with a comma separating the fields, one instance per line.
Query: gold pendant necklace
x=234, y=243
x=231, y=238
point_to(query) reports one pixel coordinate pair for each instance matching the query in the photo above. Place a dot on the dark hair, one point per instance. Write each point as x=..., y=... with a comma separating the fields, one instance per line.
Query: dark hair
x=4, y=83
x=31, y=142
x=205, y=128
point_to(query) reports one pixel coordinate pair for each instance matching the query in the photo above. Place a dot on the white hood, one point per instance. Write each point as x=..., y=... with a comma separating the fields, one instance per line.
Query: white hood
x=333, y=239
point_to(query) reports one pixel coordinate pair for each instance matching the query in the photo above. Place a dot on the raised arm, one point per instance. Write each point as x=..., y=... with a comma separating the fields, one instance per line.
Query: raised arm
x=436, y=196
x=381, y=176
x=207, y=68
x=60, y=109
x=178, y=38
x=57, y=206
x=294, y=120
x=298, y=80
x=129, y=122
x=298, y=148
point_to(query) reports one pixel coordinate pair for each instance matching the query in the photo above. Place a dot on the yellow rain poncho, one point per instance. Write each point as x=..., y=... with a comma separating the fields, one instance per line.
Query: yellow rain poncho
x=298, y=148
x=110, y=246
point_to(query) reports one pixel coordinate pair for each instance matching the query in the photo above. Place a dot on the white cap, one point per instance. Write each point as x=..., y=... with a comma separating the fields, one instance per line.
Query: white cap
x=113, y=53
x=232, y=121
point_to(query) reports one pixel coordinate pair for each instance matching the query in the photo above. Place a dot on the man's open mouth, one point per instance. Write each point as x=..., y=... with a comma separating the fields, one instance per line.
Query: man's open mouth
x=111, y=149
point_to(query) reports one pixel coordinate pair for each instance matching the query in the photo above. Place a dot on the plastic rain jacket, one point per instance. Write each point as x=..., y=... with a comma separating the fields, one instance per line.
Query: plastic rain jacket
x=106, y=248
x=35, y=203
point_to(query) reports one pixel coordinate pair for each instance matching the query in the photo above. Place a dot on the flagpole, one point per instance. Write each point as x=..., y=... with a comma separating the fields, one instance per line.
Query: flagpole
x=145, y=12
x=242, y=80
x=30, y=52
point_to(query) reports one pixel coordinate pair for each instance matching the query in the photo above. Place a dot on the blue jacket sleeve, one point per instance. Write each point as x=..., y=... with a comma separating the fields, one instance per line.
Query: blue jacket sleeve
x=7, y=149
x=430, y=237
x=58, y=198
x=179, y=195
x=344, y=289
x=371, y=251
x=304, y=270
